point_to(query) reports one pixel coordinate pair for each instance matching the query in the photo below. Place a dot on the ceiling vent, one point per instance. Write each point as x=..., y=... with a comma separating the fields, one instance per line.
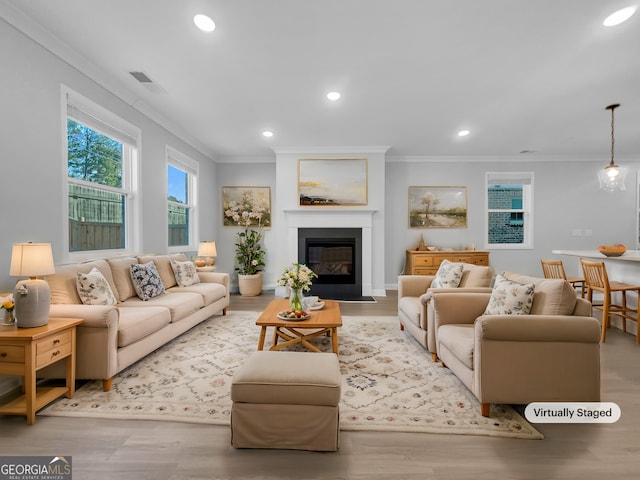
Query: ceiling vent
x=146, y=82
x=141, y=77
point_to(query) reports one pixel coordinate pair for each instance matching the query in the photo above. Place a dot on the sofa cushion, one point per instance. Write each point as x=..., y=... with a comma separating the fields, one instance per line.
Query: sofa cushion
x=137, y=323
x=459, y=340
x=476, y=276
x=63, y=283
x=210, y=292
x=121, y=270
x=448, y=275
x=510, y=298
x=180, y=304
x=94, y=289
x=185, y=273
x=146, y=280
x=553, y=296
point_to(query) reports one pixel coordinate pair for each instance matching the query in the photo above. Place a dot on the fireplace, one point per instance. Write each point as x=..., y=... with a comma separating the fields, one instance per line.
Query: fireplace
x=335, y=255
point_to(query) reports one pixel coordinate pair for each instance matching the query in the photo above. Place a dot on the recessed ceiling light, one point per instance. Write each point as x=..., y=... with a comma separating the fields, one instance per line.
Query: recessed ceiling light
x=267, y=134
x=463, y=133
x=204, y=23
x=620, y=16
x=333, y=96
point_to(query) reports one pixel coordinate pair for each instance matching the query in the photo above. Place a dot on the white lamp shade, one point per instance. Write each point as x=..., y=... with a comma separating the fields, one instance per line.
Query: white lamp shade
x=31, y=260
x=207, y=249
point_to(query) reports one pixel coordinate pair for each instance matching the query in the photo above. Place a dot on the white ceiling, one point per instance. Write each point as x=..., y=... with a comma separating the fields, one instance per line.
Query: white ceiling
x=520, y=74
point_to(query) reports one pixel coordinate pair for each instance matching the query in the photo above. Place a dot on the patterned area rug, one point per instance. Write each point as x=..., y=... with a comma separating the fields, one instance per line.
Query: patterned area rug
x=389, y=382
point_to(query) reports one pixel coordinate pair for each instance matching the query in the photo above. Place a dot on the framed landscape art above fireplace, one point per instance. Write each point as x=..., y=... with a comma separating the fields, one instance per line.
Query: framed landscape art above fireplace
x=332, y=181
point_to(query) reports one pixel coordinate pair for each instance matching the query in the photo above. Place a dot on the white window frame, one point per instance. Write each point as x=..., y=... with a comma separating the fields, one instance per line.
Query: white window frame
x=511, y=178
x=182, y=162
x=98, y=118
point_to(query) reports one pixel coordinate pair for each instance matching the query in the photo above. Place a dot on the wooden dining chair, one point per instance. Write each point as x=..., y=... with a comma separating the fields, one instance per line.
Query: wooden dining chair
x=555, y=269
x=595, y=276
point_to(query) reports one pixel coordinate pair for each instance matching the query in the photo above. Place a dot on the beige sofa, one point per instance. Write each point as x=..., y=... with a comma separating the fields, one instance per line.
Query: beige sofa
x=414, y=294
x=112, y=337
x=551, y=354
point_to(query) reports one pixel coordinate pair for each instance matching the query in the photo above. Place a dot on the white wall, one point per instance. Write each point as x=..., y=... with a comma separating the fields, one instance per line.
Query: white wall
x=31, y=136
x=566, y=198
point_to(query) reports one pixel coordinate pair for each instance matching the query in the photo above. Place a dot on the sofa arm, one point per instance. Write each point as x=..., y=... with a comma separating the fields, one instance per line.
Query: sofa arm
x=457, y=308
x=538, y=328
x=413, y=285
x=216, y=277
x=431, y=291
x=95, y=316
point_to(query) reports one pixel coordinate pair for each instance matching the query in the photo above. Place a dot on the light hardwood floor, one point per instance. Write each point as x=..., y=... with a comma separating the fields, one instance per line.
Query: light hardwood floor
x=108, y=449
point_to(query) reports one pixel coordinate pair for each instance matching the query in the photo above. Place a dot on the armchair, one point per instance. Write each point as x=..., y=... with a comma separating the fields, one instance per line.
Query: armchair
x=414, y=294
x=551, y=354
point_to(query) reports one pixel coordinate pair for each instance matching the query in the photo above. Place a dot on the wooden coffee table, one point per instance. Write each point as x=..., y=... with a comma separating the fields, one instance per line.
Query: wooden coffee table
x=325, y=321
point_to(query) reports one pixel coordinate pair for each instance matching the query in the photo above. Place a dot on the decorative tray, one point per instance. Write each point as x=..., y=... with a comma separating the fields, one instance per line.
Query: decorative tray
x=289, y=315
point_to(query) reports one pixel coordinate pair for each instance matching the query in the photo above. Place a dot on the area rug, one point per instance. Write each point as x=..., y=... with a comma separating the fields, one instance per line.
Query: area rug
x=389, y=382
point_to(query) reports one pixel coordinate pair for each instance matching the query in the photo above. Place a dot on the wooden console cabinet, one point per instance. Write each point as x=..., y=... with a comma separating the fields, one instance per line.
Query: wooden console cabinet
x=24, y=351
x=421, y=262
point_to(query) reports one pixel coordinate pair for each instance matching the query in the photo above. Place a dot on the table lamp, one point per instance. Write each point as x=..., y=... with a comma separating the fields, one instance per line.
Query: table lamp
x=208, y=251
x=32, y=297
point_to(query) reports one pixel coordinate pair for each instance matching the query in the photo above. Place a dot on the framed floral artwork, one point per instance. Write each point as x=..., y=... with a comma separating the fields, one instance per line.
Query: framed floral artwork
x=332, y=181
x=246, y=206
x=438, y=207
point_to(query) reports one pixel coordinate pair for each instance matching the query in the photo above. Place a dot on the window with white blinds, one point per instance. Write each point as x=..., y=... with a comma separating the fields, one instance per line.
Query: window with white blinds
x=101, y=181
x=509, y=212
x=182, y=184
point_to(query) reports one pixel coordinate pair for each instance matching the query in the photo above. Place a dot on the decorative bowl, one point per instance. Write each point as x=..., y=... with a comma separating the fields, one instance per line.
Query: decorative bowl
x=612, y=250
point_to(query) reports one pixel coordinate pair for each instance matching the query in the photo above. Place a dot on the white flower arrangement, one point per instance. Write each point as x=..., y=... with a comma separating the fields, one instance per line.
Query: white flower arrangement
x=297, y=276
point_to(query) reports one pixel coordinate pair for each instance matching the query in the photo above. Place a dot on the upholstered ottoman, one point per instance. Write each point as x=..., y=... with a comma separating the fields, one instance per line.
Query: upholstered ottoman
x=286, y=400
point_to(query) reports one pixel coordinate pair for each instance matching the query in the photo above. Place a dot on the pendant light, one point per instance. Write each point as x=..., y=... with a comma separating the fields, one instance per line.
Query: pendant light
x=612, y=176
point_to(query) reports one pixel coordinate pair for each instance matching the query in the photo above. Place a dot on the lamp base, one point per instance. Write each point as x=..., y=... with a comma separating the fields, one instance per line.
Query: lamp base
x=32, y=309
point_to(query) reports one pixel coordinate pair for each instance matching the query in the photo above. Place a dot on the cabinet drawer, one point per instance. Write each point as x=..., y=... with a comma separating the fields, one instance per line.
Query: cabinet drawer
x=53, y=355
x=463, y=259
x=53, y=342
x=421, y=261
x=11, y=354
x=424, y=271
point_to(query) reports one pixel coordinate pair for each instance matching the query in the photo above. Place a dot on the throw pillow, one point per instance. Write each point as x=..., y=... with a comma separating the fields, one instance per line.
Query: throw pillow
x=448, y=275
x=185, y=273
x=510, y=298
x=94, y=289
x=146, y=280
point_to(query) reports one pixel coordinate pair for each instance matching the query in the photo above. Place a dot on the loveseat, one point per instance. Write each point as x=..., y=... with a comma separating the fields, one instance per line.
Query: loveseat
x=415, y=291
x=139, y=316
x=551, y=354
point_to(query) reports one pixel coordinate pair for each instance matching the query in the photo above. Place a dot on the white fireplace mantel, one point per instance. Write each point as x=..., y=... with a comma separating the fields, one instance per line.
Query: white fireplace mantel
x=328, y=217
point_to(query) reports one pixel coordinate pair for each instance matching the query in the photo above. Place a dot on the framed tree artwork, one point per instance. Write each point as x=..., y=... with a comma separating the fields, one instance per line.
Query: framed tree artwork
x=437, y=207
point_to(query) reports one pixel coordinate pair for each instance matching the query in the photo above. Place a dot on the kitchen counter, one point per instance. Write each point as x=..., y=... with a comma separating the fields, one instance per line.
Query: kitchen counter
x=628, y=256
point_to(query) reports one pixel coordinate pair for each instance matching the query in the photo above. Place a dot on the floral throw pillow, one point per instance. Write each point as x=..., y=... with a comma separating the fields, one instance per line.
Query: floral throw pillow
x=510, y=298
x=448, y=275
x=94, y=289
x=146, y=280
x=185, y=273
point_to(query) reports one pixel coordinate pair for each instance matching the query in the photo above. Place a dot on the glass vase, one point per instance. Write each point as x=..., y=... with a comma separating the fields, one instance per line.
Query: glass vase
x=9, y=318
x=295, y=300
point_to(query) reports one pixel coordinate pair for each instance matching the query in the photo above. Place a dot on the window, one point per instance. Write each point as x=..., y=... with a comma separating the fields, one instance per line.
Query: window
x=101, y=160
x=509, y=210
x=182, y=177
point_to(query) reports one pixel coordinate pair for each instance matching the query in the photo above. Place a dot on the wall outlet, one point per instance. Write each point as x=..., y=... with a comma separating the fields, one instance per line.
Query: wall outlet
x=588, y=232
x=576, y=232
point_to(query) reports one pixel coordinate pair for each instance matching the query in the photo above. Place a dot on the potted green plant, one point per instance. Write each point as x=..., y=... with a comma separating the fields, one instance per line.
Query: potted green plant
x=249, y=251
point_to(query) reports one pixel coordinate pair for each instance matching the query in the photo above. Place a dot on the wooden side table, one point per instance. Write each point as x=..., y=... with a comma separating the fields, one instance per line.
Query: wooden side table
x=24, y=351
